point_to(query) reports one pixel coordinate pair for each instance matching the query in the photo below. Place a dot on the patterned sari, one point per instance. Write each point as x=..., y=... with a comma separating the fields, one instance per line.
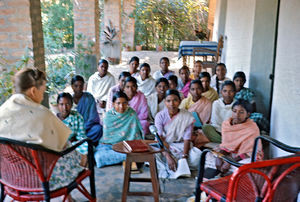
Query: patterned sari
x=117, y=127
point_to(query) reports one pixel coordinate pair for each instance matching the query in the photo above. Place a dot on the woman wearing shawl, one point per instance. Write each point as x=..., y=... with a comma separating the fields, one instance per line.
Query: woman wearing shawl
x=156, y=100
x=146, y=84
x=23, y=118
x=175, y=127
x=208, y=91
x=201, y=108
x=238, y=135
x=184, y=81
x=197, y=103
x=116, y=88
x=86, y=106
x=138, y=102
x=74, y=121
x=120, y=124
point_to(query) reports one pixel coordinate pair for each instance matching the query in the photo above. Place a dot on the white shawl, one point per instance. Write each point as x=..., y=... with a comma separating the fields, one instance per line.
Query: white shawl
x=99, y=87
x=174, y=129
x=147, y=86
x=24, y=120
x=153, y=105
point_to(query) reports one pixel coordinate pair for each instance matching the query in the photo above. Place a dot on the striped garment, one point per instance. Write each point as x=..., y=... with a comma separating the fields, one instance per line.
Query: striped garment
x=76, y=123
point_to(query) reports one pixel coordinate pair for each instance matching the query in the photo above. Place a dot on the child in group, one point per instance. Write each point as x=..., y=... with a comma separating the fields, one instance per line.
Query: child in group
x=173, y=84
x=221, y=111
x=133, y=66
x=198, y=66
x=208, y=91
x=184, y=81
x=145, y=82
x=219, y=77
x=116, y=88
x=164, y=64
x=100, y=83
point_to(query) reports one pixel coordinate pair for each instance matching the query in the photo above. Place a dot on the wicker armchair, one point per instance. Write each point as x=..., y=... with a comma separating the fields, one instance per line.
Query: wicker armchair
x=268, y=180
x=25, y=171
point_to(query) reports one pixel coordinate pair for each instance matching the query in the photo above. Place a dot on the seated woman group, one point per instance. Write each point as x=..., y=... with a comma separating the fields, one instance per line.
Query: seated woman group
x=137, y=101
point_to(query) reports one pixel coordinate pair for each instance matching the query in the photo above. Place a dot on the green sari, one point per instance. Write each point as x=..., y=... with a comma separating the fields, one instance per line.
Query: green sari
x=118, y=127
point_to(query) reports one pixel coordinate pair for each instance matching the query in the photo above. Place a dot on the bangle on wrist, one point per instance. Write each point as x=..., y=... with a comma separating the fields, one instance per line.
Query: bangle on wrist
x=184, y=156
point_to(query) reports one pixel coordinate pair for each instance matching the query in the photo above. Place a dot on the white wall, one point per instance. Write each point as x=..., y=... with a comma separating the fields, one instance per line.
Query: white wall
x=262, y=56
x=238, y=35
x=285, y=116
x=219, y=20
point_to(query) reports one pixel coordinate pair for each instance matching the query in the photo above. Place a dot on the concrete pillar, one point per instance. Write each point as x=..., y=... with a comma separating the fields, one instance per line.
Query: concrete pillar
x=86, y=22
x=21, y=28
x=112, y=14
x=128, y=24
x=286, y=94
x=219, y=19
x=211, y=15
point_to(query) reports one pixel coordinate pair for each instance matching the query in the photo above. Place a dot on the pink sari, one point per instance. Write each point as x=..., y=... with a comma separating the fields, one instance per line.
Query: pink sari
x=203, y=108
x=185, y=90
x=239, y=138
x=139, y=104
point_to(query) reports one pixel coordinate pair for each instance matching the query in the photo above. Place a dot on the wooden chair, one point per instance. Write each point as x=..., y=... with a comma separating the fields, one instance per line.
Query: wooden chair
x=215, y=55
x=25, y=171
x=269, y=180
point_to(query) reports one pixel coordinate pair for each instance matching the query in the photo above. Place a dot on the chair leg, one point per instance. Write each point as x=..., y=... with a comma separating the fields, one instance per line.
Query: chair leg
x=126, y=182
x=91, y=168
x=2, y=197
x=154, y=179
x=200, y=175
x=46, y=191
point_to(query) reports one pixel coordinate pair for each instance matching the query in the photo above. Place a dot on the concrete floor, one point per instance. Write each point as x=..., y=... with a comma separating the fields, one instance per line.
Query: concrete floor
x=109, y=184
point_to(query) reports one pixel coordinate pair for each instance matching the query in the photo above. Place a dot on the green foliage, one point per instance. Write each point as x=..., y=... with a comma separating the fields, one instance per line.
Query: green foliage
x=59, y=70
x=61, y=67
x=58, y=24
x=8, y=71
x=167, y=22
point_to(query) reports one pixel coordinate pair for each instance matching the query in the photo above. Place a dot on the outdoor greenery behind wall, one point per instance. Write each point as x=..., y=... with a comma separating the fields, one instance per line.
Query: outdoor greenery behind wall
x=58, y=24
x=167, y=22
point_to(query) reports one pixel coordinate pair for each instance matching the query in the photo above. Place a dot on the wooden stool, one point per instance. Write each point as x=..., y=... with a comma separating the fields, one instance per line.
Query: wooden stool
x=139, y=158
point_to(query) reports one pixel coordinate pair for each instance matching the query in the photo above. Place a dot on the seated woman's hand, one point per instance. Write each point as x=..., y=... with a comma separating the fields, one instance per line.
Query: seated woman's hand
x=171, y=162
x=219, y=163
x=225, y=167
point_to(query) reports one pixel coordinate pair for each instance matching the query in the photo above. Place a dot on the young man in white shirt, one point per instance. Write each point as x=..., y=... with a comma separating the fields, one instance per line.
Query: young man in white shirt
x=221, y=111
x=100, y=83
